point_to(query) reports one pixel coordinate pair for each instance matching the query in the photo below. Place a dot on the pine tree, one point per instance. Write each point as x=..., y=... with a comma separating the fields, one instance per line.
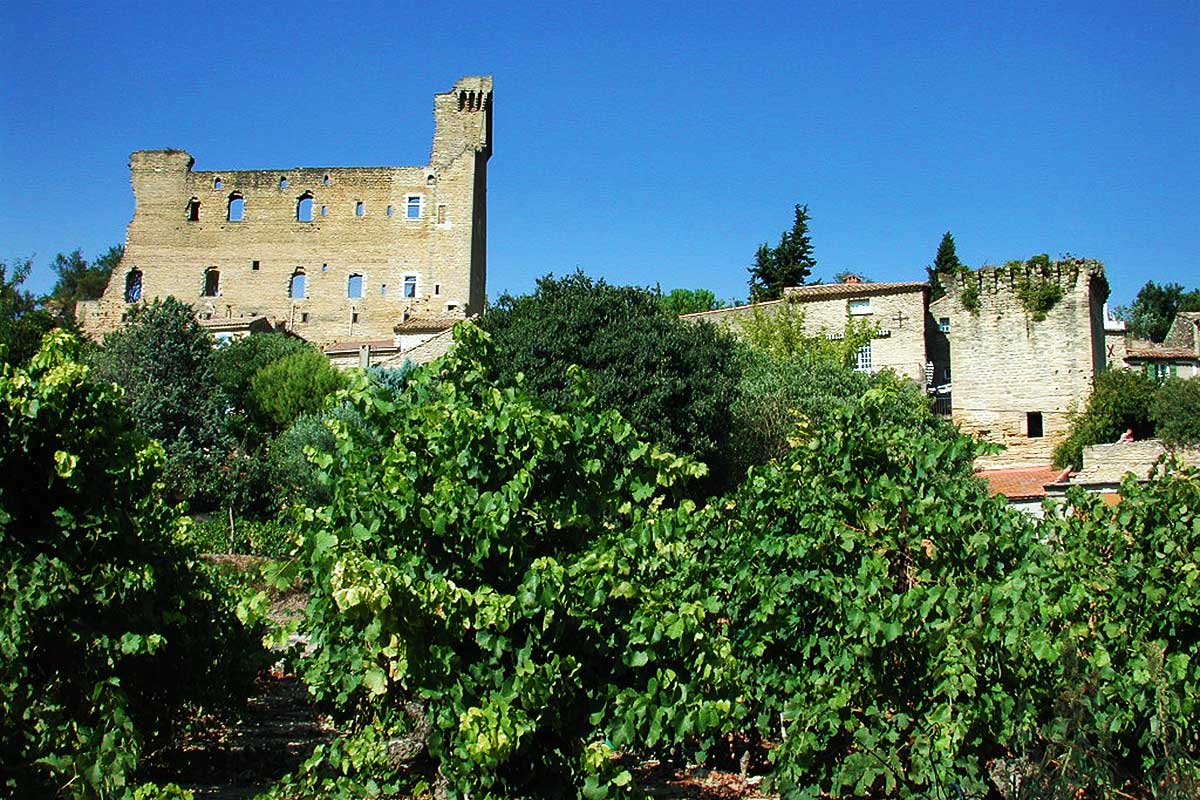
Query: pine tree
x=788, y=264
x=944, y=263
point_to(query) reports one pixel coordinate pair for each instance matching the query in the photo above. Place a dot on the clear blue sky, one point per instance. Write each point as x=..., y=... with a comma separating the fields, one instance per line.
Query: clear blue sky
x=645, y=143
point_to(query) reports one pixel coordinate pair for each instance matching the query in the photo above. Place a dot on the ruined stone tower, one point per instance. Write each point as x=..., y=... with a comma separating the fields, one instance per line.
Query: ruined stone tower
x=1026, y=343
x=330, y=253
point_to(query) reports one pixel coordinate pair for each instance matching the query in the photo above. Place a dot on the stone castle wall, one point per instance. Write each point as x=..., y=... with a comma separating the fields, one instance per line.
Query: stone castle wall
x=1007, y=366
x=415, y=235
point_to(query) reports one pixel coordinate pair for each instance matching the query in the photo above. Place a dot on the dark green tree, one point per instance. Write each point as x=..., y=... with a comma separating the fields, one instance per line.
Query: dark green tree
x=674, y=380
x=79, y=280
x=22, y=322
x=787, y=264
x=163, y=360
x=944, y=263
x=1154, y=309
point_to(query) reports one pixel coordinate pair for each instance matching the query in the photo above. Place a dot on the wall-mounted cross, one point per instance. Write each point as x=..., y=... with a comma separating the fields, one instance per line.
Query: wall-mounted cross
x=899, y=319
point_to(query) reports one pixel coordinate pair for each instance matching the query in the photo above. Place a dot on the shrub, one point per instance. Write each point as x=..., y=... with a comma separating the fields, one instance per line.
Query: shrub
x=1175, y=412
x=1114, y=651
x=296, y=384
x=235, y=364
x=865, y=579
x=462, y=601
x=109, y=627
x=1119, y=402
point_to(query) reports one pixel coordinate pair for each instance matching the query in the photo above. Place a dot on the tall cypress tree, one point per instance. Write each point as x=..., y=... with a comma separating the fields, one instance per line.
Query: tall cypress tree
x=944, y=263
x=788, y=264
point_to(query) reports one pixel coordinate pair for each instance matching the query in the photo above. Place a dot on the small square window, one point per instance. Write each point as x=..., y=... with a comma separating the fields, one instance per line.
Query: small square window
x=413, y=207
x=944, y=324
x=410, y=285
x=390, y=210
x=354, y=316
x=304, y=316
x=254, y=265
x=860, y=307
x=359, y=209
x=324, y=211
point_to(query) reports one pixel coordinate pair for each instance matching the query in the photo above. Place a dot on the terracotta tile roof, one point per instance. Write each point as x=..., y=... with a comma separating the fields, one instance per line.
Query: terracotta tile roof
x=426, y=324
x=820, y=291
x=824, y=291
x=353, y=345
x=1021, y=483
x=1141, y=348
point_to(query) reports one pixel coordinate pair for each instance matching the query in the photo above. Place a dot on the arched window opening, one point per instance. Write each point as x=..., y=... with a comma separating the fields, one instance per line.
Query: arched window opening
x=212, y=282
x=133, y=286
x=297, y=287
x=237, y=207
x=354, y=286
x=193, y=210
x=217, y=182
x=325, y=180
x=304, y=207
x=283, y=182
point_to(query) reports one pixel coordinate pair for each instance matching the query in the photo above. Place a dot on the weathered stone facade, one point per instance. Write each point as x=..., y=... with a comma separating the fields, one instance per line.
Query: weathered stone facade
x=1016, y=378
x=896, y=311
x=331, y=254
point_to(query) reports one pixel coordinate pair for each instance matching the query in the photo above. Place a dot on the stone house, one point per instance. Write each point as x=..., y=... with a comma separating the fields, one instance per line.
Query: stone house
x=332, y=254
x=1178, y=355
x=896, y=312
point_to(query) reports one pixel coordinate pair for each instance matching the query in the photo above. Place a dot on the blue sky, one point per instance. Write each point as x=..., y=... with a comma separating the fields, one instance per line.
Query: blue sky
x=645, y=143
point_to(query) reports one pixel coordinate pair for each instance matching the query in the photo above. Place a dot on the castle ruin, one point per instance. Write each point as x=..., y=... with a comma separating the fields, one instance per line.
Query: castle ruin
x=1026, y=343
x=329, y=253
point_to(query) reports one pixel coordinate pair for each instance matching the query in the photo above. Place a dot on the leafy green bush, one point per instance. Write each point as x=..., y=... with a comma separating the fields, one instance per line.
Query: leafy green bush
x=1119, y=402
x=1115, y=649
x=472, y=578
x=864, y=575
x=296, y=384
x=109, y=627
x=1175, y=412
x=271, y=538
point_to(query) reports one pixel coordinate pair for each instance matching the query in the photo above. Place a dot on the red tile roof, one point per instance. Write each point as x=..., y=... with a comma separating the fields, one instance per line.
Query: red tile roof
x=1021, y=483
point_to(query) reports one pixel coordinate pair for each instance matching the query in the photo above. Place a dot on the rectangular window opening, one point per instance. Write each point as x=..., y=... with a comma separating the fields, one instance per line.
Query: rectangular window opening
x=1033, y=425
x=413, y=206
x=304, y=316
x=860, y=307
x=354, y=316
x=862, y=358
x=441, y=214
x=410, y=285
x=359, y=209
x=254, y=265
x=944, y=324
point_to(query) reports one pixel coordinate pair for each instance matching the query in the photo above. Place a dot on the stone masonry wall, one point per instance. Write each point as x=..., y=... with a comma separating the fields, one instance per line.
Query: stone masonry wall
x=898, y=315
x=1006, y=365
x=360, y=225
